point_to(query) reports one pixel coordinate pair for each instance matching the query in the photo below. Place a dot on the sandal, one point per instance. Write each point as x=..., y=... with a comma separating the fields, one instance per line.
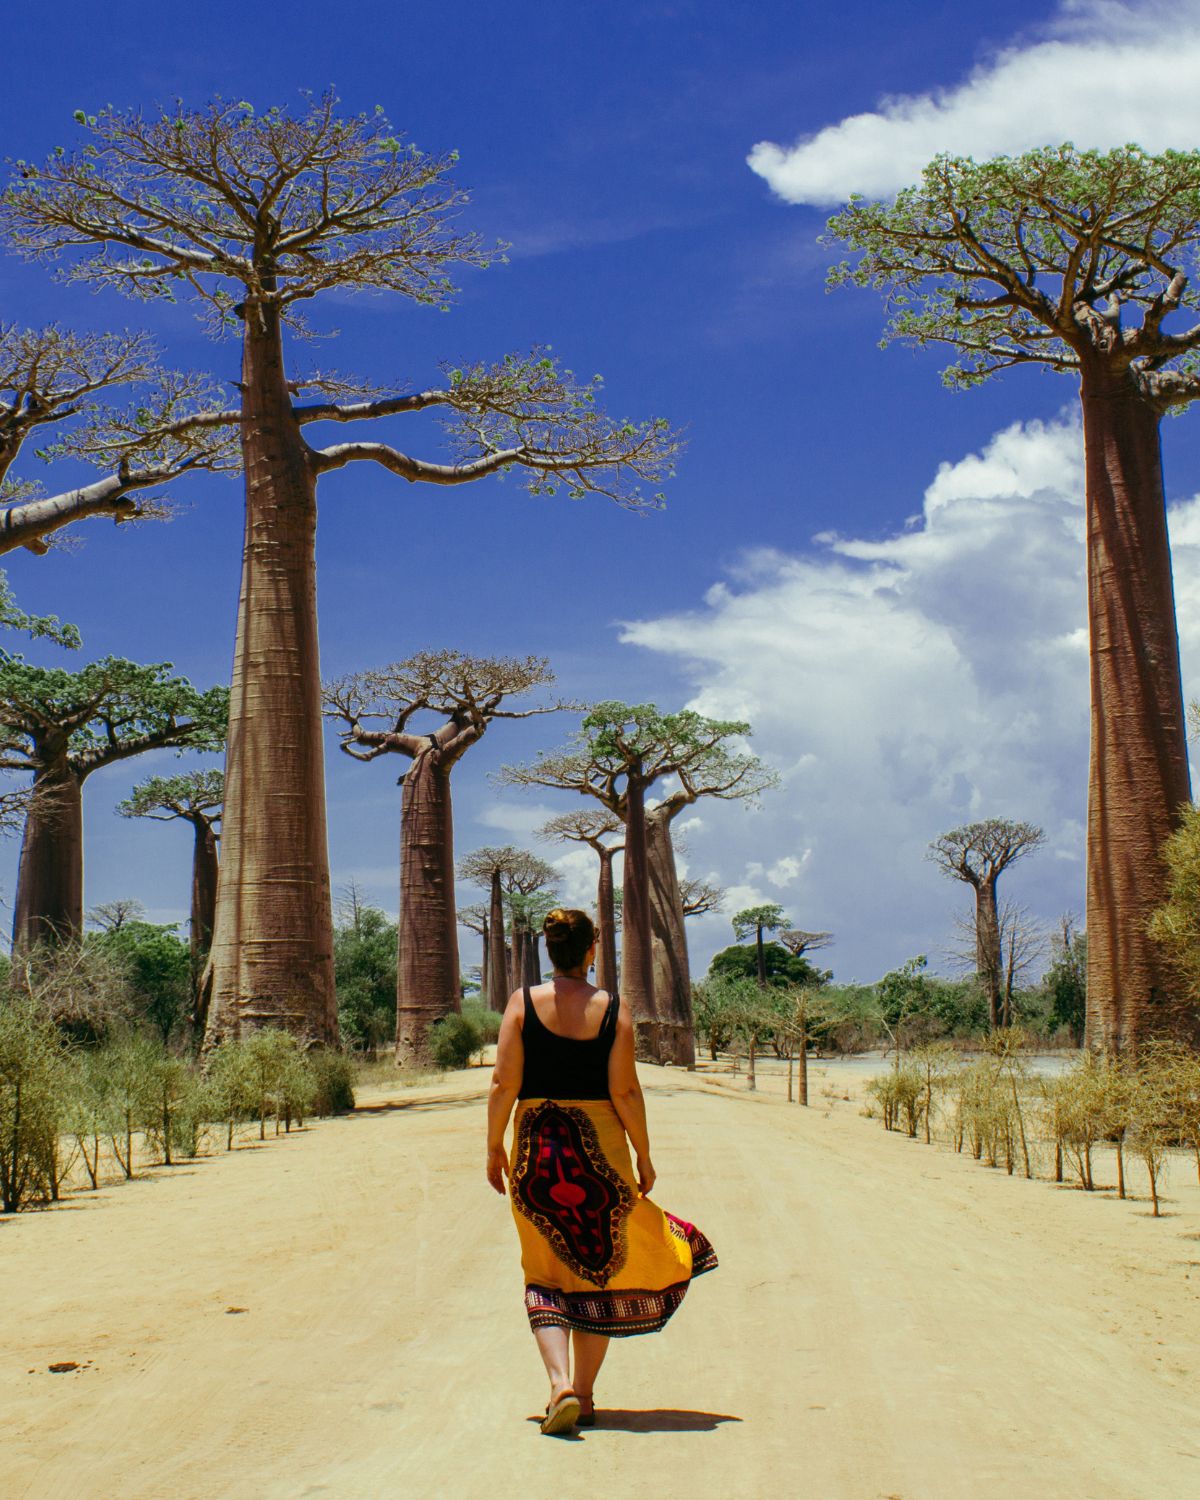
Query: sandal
x=562, y=1414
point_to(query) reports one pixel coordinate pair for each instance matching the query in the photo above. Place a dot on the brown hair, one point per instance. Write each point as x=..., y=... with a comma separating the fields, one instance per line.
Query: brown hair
x=569, y=934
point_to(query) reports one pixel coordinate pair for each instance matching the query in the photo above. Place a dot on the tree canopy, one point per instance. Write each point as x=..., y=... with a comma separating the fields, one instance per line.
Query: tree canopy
x=50, y=379
x=108, y=711
x=194, y=794
x=1051, y=258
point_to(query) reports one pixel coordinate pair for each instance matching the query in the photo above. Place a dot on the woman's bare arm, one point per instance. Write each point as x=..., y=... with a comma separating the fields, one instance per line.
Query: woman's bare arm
x=506, y=1085
x=626, y=1094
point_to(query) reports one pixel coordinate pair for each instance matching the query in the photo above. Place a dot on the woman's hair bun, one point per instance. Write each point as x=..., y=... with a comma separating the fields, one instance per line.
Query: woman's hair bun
x=569, y=934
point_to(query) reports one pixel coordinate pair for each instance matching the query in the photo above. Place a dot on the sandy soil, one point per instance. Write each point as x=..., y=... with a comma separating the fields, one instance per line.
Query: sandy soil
x=889, y=1321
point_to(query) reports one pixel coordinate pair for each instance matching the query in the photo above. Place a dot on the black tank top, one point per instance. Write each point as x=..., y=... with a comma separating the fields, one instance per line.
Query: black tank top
x=564, y=1067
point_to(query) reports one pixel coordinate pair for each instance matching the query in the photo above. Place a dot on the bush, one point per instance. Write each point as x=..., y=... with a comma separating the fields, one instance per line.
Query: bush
x=32, y=1090
x=900, y=1094
x=333, y=1079
x=455, y=1039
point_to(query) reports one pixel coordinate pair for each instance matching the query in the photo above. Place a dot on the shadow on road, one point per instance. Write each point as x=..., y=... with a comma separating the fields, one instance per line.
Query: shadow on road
x=388, y=1106
x=654, y=1419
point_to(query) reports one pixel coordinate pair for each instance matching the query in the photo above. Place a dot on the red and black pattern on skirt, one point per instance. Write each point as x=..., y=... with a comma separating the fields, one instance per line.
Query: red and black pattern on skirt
x=626, y=1312
x=566, y=1188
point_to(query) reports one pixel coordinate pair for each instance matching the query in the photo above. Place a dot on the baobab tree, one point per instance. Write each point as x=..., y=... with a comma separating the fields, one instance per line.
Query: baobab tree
x=475, y=919
x=798, y=942
x=978, y=854
x=505, y=871
x=699, y=897
x=50, y=379
x=196, y=798
x=62, y=726
x=257, y=216
x=595, y=827
x=619, y=753
x=1080, y=261
x=376, y=709
x=757, y=920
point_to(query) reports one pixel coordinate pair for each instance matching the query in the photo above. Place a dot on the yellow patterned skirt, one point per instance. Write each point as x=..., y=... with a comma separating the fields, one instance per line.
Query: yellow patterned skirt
x=596, y=1256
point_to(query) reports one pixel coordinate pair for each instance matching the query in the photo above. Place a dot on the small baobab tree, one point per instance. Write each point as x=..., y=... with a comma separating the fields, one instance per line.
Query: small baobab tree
x=617, y=756
x=475, y=919
x=507, y=873
x=462, y=695
x=1081, y=262
x=50, y=381
x=195, y=798
x=699, y=897
x=63, y=726
x=768, y=917
x=596, y=827
x=978, y=854
x=260, y=215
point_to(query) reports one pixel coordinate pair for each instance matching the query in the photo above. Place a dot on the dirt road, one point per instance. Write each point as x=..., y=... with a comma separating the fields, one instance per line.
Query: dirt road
x=889, y=1321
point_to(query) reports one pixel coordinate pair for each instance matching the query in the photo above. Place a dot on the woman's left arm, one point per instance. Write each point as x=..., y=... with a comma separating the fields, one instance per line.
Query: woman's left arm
x=506, y=1085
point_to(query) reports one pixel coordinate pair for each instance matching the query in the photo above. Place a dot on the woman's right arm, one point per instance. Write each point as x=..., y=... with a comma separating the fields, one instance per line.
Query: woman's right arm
x=626, y=1094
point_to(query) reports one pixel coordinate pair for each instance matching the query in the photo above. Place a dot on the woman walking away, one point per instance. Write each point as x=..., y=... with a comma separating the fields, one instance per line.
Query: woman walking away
x=600, y=1260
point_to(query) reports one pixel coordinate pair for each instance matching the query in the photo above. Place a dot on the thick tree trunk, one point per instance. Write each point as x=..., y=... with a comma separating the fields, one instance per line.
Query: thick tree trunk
x=498, y=992
x=272, y=951
x=988, y=958
x=668, y=946
x=1139, y=773
x=606, y=948
x=428, y=984
x=49, y=898
x=205, y=869
x=637, y=964
x=531, y=967
x=483, y=964
x=761, y=958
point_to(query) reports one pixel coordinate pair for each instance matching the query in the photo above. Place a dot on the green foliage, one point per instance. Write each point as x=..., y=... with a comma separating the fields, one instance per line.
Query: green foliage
x=32, y=1076
x=454, y=1040
x=364, y=966
x=106, y=711
x=333, y=1082
x=43, y=627
x=1066, y=983
x=157, y=964
x=752, y=920
x=1020, y=259
x=1175, y=926
x=784, y=970
x=168, y=797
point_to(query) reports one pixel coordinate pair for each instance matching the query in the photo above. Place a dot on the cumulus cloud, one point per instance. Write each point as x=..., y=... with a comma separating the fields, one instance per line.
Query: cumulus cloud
x=908, y=685
x=1104, y=74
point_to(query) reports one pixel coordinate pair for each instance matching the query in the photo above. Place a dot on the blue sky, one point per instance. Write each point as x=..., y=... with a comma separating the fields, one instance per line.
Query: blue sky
x=839, y=521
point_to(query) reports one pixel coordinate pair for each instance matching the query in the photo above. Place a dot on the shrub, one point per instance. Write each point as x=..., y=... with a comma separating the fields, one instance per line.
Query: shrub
x=32, y=1078
x=128, y=1064
x=455, y=1039
x=333, y=1079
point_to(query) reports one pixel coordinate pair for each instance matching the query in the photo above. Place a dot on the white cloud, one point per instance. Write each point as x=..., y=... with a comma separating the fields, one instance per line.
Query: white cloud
x=907, y=685
x=1103, y=75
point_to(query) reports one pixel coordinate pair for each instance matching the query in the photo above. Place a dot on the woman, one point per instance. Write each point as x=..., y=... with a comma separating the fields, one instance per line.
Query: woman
x=600, y=1260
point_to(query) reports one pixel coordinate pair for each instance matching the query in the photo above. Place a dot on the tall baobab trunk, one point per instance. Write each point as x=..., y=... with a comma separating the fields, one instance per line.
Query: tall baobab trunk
x=988, y=957
x=606, y=948
x=272, y=951
x=483, y=965
x=531, y=969
x=205, y=869
x=498, y=992
x=1139, y=773
x=637, y=968
x=760, y=957
x=428, y=984
x=668, y=946
x=49, y=899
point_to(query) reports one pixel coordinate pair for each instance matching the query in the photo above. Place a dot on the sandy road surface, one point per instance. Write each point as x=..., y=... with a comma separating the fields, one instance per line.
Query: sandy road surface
x=889, y=1321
